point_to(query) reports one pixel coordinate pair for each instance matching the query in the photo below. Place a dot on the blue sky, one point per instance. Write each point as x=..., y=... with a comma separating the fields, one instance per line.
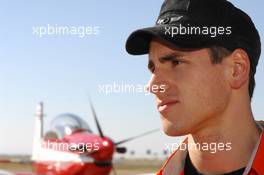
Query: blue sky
x=62, y=70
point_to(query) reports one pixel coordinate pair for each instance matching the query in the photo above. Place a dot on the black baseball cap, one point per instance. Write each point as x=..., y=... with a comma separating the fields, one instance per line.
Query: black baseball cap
x=199, y=24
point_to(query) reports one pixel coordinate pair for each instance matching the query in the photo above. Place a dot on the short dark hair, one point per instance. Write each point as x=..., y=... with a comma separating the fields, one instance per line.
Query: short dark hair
x=218, y=53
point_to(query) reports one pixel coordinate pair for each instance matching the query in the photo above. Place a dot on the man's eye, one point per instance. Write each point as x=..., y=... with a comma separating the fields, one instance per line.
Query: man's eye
x=176, y=62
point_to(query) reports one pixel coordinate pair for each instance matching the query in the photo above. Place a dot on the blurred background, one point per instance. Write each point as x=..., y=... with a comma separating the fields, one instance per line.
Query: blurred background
x=63, y=71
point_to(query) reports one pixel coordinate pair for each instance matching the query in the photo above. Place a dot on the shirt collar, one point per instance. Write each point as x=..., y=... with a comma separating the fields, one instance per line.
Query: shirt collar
x=258, y=157
x=178, y=158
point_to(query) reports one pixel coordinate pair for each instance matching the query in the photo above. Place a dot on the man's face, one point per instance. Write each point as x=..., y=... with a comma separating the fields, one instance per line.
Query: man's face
x=194, y=92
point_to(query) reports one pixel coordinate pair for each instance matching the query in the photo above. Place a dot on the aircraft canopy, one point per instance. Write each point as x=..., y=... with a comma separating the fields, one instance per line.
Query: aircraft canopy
x=67, y=124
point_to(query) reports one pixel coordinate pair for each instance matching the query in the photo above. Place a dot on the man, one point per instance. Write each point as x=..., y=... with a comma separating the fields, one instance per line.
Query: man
x=203, y=56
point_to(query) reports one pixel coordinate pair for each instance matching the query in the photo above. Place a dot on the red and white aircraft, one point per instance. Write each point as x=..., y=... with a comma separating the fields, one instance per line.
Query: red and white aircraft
x=71, y=148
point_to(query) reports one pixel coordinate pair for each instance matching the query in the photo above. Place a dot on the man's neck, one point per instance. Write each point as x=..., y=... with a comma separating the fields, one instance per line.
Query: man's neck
x=227, y=144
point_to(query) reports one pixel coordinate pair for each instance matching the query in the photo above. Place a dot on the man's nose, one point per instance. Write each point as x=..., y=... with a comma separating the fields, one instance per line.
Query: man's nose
x=157, y=85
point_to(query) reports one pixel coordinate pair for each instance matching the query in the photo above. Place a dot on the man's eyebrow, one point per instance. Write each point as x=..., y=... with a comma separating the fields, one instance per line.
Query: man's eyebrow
x=170, y=57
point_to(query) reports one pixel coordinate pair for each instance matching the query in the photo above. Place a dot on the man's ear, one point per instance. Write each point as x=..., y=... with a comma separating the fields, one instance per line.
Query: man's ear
x=240, y=67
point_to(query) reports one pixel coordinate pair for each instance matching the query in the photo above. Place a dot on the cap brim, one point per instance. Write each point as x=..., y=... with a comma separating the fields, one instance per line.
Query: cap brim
x=138, y=42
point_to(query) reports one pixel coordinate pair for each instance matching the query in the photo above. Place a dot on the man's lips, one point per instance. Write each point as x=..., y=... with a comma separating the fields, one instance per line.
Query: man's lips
x=164, y=104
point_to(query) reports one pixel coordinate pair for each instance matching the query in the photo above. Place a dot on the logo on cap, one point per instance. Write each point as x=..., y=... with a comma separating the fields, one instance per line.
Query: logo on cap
x=168, y=20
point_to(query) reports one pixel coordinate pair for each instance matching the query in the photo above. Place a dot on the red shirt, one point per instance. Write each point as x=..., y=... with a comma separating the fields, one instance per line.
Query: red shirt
x=175, y=163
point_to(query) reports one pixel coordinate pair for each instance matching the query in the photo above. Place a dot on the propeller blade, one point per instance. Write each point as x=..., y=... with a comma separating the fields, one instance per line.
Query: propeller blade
x=135, y=137
x=96, y=121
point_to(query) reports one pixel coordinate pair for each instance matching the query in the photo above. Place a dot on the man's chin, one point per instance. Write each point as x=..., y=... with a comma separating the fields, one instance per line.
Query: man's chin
x=171, y=128
x=174, y=132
